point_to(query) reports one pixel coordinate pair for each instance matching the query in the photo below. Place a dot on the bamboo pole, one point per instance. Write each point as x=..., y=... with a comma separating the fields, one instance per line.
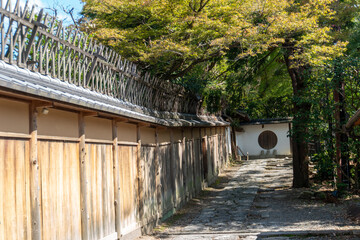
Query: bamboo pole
x=34, y=176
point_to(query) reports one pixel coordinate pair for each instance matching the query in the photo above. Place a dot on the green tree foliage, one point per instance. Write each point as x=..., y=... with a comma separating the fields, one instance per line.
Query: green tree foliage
x=171, y=37
x=218, y=47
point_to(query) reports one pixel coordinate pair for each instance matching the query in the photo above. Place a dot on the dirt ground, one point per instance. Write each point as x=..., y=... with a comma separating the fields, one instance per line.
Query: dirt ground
x=254, y=200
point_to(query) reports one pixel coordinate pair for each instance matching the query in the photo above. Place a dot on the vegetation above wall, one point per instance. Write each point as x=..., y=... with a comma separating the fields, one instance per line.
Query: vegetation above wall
x=217, y=48
x=233, y=55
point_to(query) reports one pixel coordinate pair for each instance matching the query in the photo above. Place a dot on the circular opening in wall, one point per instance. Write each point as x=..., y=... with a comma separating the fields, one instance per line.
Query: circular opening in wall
x=267, y=140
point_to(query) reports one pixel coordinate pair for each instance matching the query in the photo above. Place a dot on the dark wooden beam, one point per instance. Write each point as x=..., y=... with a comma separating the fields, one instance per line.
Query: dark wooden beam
x=90, y=114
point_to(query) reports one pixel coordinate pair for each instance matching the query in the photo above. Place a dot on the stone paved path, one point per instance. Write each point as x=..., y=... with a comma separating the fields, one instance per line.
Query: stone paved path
x=258, y=203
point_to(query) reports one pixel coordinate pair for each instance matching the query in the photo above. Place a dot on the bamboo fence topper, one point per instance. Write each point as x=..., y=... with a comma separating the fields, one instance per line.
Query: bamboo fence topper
x=40, y=43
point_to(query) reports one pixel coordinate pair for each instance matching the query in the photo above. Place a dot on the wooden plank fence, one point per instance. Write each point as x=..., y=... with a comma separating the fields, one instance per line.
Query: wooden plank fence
x=99, y=188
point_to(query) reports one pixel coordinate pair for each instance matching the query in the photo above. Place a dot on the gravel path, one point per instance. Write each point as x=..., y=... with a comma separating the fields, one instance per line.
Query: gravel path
x=254, y=200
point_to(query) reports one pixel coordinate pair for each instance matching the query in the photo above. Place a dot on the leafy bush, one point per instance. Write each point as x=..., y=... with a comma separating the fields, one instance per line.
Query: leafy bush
x=324, y=165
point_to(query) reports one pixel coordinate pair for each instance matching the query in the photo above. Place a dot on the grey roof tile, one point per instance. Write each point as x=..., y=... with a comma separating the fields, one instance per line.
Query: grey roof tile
x=23, y=80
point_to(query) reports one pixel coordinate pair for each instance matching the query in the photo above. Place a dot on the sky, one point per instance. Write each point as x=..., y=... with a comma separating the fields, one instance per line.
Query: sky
x=50, y=5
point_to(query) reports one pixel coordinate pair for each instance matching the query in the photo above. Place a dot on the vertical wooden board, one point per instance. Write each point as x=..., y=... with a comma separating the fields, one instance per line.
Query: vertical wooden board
x=89, y=173
x=148, y=154
x=216, y=156
x=91, y=187
x=58, y=155
x=221, y=146
x=128, y=170
x=9, y=197
x=107, y=191
x=28, y=201
x=165, y=159
x=125, y=183
x=43, y=158
x=210, y=159
x=100, y=196
x=187, y=168
x=163, y=175
x=145, y=187
x=66, y=195
x=192, y=164
x=197, y=159
x=133, y=167
x=152, y=183
x=111, y=197
x=134, y=175
x=97, y=191
x=100, y=190
x=72, y=153
x=104, y=187
x=192, y=168
x=60, y=189
x=14, y=155
x=52, y=191
x=2, y=188
x=20, y=189
x=169, y=180
x=178, y=172
x=144, y=179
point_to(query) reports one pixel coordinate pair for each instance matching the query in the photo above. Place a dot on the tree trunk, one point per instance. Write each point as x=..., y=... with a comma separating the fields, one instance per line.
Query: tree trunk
x=233, y=144
x=301, y=113
x=342, y=149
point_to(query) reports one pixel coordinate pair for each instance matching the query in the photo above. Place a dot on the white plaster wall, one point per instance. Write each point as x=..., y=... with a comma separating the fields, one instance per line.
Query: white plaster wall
x=248, y=140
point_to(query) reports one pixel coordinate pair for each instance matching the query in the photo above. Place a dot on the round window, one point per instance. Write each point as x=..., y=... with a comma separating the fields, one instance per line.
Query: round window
x=267, y=140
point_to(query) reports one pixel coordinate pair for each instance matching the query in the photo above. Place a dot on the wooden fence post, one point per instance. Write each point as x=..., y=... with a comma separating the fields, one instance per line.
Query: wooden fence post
x=157, y=175
x=226, y=146
x=172, y=168
x=201, y=159
x=184, y=164
x=83, y=180
x=193, y=164
x=139, y=173
x=34, y=176
x=116, y=179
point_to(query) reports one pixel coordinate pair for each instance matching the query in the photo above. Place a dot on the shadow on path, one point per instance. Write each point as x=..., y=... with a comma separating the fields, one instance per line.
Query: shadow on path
x=255, y=201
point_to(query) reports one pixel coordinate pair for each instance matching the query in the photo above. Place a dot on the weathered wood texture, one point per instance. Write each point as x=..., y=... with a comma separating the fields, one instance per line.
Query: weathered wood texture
x=60, y=190
x=84, y=203
x=77, y=179
x=100, y=190
x=40, y=43
x=15, y=217
x=149, y=184
x=166, y=179
x=128, y=178
x=34, y=175
x=60, y=185
x=116, y=174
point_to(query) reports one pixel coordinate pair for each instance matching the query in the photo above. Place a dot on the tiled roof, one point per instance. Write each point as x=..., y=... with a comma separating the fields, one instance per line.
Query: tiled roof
x=25, y=81
x=267, y=121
